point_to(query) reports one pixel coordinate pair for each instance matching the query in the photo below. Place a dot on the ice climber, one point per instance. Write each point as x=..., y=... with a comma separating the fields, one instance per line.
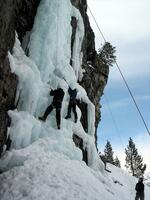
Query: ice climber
x=56, y=103
x=72, y=102
x=139, y=190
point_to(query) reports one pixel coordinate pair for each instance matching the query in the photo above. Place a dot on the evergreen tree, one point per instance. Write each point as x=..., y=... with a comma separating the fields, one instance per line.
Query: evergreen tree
x=134, y=162
x=106, y=54
x=108, y=153
x=117, y=162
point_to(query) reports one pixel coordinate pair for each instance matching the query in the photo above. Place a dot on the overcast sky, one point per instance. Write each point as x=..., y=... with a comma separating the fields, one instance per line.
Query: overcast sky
x=126, y=24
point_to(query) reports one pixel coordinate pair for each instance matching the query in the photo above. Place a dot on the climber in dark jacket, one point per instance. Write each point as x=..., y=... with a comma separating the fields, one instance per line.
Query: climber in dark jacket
x=72, y=103
x=139, y=190
x=57, y=102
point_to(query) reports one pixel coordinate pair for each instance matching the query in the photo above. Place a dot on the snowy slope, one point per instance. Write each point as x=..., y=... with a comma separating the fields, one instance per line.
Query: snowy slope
x=52, y=175
x=43, y=162
x=124, y=183
x=147, y=179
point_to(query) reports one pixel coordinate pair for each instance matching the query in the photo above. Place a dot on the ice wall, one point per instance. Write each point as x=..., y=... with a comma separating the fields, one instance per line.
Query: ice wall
x=46, y=68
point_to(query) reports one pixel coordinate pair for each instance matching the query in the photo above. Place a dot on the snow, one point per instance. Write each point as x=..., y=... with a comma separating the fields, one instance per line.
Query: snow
x=52, y=175
x=43, y=162
x=147, y=179
x=124, y=186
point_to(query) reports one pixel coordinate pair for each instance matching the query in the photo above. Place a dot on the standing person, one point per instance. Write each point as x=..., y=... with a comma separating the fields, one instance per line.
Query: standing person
x=139, y=190
x=56, y=103
x=72, y=103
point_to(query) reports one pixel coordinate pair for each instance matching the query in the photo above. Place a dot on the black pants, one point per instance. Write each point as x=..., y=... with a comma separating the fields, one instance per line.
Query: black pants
x=139, y=196
x=72, y=105
x=57, y=106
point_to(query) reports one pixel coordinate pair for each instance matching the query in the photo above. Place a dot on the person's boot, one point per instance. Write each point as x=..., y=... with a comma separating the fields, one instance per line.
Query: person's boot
x=68, y=116
x=58, y=126
x=42, y=118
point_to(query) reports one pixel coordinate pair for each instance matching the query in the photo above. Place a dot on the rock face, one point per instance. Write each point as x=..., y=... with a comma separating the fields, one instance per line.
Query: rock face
x=19, y=15
x=8, y=81
x=14, y=15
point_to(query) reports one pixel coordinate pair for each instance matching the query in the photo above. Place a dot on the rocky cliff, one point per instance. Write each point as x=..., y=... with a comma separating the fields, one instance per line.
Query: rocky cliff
x=18, y=15
x=15, y=15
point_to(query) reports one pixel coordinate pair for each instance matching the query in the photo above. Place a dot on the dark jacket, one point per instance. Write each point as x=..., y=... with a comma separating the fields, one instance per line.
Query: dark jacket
x=72, y=93
x=139, y=187
x=58, y=96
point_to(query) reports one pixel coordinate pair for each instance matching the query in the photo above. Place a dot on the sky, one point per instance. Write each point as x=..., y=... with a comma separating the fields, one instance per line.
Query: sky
x=125, y=24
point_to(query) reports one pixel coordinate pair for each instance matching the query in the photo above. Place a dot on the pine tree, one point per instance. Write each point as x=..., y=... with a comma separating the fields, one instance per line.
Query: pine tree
x=106, y=54
x=134, y=162
x=117, y=162
x=108, y=153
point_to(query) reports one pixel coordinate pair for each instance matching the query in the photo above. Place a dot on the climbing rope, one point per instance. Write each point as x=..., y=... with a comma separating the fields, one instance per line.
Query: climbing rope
x=126, y=84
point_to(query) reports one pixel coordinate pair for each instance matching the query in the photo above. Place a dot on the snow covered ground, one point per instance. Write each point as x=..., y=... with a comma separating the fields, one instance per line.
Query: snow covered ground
x=147, y=179
x=43, y=162
x=54, y=176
